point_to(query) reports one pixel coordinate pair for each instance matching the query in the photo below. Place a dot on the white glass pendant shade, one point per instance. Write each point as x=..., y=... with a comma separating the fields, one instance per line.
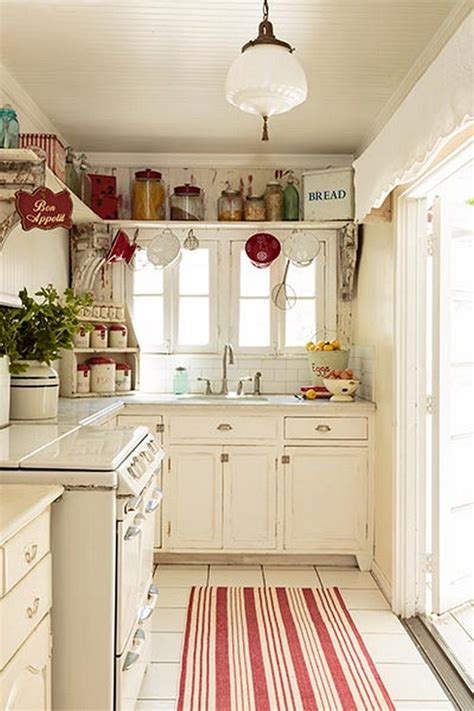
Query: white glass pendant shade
x=266, y=80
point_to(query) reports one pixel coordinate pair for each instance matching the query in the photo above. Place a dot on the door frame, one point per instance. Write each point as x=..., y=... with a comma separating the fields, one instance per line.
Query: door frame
x=411, y=403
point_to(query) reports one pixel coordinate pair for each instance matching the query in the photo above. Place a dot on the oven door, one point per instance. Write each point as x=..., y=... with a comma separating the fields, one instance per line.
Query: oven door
x=151, y=504
x=131, y=666
x=130, y=544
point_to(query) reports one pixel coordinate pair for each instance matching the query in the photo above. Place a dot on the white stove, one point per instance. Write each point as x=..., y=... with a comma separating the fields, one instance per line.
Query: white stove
x=102, y=545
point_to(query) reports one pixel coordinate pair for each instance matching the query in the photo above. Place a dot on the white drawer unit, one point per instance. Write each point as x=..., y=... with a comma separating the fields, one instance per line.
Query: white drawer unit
x=23, y=551
x=326, y=428
x=25, y=683
x=223, y=427
x=26, y=604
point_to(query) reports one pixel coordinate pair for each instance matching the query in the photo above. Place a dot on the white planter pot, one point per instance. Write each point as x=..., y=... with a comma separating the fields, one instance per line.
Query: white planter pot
x=4, y=391
x=34, y=393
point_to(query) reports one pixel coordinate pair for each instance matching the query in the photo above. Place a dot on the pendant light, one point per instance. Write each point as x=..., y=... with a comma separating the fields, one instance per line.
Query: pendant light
x=266, y=78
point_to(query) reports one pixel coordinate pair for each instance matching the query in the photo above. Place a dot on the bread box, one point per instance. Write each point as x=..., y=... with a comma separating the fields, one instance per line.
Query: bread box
x=328, y=194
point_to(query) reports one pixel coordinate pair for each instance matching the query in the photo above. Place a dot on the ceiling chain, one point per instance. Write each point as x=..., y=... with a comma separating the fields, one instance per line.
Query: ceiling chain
x=265, y=9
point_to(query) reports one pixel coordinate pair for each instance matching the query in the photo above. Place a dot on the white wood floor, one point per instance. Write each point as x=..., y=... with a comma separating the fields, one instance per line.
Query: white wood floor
x=408, y=679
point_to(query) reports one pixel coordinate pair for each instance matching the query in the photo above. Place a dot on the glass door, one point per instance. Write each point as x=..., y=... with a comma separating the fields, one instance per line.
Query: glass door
x=450, y=420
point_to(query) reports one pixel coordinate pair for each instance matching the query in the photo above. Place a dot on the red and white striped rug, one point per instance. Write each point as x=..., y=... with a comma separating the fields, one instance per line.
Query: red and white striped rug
x=275, y=649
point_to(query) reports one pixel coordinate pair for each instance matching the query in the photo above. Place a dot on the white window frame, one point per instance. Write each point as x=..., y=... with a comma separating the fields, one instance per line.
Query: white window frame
x=224, y=295
x=325, y=298
x=212, y=346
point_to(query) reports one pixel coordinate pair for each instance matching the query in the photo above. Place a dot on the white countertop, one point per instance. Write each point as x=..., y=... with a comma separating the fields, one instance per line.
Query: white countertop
x=21, y=504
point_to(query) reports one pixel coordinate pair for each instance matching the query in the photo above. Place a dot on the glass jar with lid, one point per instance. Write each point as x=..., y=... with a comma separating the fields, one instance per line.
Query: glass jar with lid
x=230, y=206
x=148, y=196
x=254, y=208
x=273, y=201
x=187, y=203
x=9, y=127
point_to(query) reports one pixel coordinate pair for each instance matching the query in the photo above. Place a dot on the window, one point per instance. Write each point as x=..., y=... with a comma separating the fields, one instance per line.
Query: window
x=214, y=295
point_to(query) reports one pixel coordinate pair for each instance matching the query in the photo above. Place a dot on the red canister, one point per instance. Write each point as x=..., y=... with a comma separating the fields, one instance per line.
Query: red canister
x=117, y=335
x=102, y=374
x=99, y=336
x=83, y=380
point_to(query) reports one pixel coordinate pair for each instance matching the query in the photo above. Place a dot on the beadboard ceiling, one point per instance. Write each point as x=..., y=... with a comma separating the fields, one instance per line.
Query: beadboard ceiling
x=148, y=75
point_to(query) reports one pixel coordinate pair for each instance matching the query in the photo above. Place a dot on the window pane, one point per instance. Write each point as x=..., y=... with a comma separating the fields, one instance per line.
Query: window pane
x=253, y=281
x=300, y=323
x=148, y=320
x=303, y=279
x=148, y=280
x=254, y=328
x=193, y=321
x=194, y=272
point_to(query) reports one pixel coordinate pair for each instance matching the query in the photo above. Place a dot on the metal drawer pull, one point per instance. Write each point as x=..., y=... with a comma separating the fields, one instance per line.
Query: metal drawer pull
x=323, y=428
x=145, y=613
x=132, y=532
x=224, y=427
x=31, y=611
x=31, y=553
x=152, y=592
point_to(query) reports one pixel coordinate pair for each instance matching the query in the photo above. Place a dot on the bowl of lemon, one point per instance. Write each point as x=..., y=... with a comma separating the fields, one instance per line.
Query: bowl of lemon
x=324, y=357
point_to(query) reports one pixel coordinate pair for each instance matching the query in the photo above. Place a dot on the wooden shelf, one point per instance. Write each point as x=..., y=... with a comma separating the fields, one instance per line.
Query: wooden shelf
x=105, y=350
x=227, y=226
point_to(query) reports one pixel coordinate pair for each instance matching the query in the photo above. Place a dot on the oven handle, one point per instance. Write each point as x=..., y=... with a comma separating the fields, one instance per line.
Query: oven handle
x=132, y=657
x=147, y=610
x=154, y=502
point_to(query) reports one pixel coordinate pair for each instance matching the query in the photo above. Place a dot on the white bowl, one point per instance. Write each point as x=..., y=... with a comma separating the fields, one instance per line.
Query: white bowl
x=343, y=390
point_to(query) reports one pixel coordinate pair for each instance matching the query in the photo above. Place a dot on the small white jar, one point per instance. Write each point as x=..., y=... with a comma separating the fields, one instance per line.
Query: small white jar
x=96, y=311
x=83, y=378
x=102, y=374
x=112, y=312
x=119, y=312
x=104, y=311
x=99, y=336
x=117, y=335
x=123, y=377
x=82, y=338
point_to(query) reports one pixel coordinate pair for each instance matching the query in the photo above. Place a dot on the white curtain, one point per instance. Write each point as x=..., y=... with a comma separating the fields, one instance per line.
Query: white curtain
x=440, y=103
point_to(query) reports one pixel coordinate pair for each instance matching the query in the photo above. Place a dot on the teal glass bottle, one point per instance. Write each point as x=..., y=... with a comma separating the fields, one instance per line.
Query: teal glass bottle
x=9, y=128
x=291, y=200
x=180, y=381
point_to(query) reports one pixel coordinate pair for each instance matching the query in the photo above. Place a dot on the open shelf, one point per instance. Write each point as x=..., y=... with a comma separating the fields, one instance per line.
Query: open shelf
x=248, y=226
x=106, y=350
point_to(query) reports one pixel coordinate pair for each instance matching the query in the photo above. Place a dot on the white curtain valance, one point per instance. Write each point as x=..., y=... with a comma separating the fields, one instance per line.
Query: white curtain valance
x=440, y=103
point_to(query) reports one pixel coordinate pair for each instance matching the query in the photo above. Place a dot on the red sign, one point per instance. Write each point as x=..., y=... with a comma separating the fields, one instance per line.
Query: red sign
x=42, y=209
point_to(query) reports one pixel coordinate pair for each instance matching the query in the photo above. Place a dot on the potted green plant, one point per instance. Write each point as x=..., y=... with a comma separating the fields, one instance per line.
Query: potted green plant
x=7, y=350
x=32, y=337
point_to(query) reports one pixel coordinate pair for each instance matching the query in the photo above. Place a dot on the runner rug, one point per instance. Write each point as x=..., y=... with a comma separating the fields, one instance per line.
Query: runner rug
x=275, y=649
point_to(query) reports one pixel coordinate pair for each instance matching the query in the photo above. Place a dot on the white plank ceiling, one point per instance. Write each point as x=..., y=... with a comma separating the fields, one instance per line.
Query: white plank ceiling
x=148, y=75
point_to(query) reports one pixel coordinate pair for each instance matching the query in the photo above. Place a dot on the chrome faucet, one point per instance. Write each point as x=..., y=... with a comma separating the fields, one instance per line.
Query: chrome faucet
x=227, y=358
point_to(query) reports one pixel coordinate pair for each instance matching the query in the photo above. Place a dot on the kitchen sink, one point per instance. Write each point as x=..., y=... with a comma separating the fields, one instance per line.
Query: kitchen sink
x=231, y=397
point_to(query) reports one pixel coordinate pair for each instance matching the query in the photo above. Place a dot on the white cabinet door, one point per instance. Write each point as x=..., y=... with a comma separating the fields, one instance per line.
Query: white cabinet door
x=325, y=492
x=25, y=683
x=192, y=498
x=250, y=495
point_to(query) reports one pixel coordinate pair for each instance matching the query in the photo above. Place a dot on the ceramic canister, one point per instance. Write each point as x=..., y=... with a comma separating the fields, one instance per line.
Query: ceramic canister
x=83, y=378
x=117, y=335
x=82, y=338
x=102, y=374
x=123, y=377
x=99, y=336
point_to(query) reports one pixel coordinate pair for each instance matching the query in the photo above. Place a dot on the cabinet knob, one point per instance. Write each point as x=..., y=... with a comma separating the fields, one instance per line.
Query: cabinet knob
x=224, y=427
x=323, y=428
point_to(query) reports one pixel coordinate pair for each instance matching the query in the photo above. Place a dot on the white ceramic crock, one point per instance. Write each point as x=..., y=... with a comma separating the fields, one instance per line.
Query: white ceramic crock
x=4, y=391
x=34, y=393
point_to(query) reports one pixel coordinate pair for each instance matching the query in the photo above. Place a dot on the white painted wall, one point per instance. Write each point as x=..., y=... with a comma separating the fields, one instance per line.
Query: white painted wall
x=373, y=324
x=34, y=259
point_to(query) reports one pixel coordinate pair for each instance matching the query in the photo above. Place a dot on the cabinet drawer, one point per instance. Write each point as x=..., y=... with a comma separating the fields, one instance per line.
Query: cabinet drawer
x=221, y=428
x=154, y=424
x=326, y=428
x=23, y=607
x=25, y=683
x=22, y=552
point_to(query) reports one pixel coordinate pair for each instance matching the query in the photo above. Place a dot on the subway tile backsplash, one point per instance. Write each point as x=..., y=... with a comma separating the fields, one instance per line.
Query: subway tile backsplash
x=280, y=375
